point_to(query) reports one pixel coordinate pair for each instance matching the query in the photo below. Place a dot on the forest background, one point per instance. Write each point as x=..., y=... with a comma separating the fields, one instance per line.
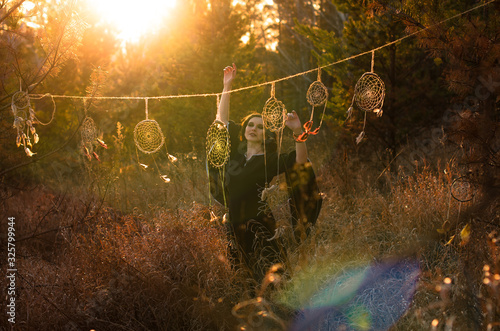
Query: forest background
x=108, y=244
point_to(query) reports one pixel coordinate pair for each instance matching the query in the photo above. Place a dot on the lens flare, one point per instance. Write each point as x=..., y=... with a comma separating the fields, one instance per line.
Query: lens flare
x=371, y=297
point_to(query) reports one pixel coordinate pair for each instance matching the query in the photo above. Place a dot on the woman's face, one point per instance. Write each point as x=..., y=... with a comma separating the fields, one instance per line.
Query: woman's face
x=254, y=132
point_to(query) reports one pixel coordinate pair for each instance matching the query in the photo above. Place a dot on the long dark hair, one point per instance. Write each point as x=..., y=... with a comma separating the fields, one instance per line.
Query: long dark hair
x=270, y=139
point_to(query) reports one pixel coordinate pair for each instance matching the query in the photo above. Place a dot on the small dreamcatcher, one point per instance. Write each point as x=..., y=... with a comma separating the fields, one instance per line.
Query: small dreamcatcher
x=218, y=148
x=317, y=95
x=276, y=200
x=369, y=94
x=148, y=138
x=89, y=136
x=462, y=189
x=25, y=120
x=273, y=114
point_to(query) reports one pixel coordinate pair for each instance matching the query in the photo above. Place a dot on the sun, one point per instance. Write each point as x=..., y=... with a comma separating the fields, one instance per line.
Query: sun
x=133, y=18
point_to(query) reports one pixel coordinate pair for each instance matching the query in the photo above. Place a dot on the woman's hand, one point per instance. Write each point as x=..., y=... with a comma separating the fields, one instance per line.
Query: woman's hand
x=229, y=74
x=292, y=121
x=223, y=111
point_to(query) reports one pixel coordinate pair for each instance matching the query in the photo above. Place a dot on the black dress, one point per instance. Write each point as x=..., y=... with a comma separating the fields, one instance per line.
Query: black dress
x=251, y=228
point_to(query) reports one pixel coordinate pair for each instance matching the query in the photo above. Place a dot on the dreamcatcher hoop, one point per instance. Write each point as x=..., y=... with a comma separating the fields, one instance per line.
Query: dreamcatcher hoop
x=273, y=114
x=317, y=94
x=462, y=189
x=88, y=131
x=369, y=92
x=276, y=199
x=218, y=144
x=148, y=136
x=20, y=100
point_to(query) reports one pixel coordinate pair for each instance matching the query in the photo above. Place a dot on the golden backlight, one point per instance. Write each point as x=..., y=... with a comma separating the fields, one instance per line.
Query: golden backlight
x=133, y=18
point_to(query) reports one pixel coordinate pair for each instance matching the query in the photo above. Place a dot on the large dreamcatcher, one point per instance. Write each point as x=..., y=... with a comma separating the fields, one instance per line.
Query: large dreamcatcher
x=218, y=148
x=25, y=120
x=317, y=95
x=275, y=196
x=369, y=94
x=218, y=144
x=148, y=138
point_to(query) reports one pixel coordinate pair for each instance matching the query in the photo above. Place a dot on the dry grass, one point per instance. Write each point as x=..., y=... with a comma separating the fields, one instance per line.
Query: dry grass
x=85, y=262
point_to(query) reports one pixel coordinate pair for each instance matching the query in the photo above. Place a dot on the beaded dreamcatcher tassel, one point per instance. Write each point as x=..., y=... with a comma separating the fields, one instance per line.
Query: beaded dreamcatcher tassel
x=148, y=138
x=218, y=148
x=369, y=94
x=317, y=95
x=25, y=120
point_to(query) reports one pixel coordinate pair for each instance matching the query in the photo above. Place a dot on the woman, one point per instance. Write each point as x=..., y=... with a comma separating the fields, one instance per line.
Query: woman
x=252, y=165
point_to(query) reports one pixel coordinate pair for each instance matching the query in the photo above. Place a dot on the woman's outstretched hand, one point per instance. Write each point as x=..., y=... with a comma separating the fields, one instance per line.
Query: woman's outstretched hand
x=229, y=74
x=223, y=111
x=292, y=121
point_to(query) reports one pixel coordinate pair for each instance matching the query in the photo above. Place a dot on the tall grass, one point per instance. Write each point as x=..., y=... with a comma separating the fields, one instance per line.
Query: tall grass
x=135, y=255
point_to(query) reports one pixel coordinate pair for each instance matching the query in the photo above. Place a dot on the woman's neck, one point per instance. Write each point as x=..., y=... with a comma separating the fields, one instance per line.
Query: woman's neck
x=253, y=149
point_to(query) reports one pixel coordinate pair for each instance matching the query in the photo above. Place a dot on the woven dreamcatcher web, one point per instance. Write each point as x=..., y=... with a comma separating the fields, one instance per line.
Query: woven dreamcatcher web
x=276, y=200
x=369, y=94
x=25, y=119
x=273, y=114
x=148, y=136
x=462, y=189
x=316, y=95
x=88, y=131
x=218, y=144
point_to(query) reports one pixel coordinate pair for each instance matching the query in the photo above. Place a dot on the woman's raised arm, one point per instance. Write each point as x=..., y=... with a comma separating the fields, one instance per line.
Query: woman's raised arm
x=223, y=111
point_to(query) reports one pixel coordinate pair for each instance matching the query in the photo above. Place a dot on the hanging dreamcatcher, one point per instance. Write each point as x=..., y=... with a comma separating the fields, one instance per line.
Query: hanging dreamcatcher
x=317, y=95
x=275, y=196
x=463, y=189
x=218, y=148
x=148, y=138
x=90, y=136
x=273, y=114
x=369, y=94
x=276, y=199
x=25, y=120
